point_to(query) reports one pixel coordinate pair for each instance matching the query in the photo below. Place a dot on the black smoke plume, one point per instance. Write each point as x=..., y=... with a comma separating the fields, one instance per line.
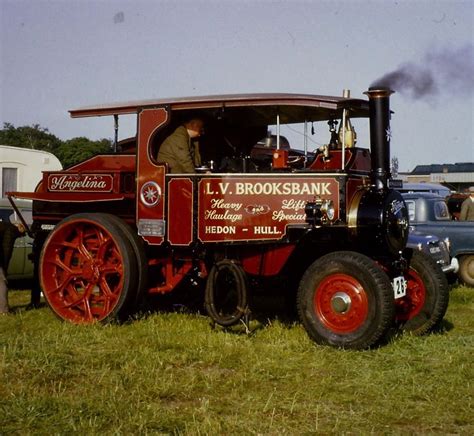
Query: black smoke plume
x=449, y=71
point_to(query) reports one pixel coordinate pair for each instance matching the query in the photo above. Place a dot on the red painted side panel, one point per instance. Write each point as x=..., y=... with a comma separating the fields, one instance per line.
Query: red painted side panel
x=252, y=208
x=266, y=261
x=180, y=211
x=100, y=178
x=357, y=159
x=151, y=189
x=352, y=185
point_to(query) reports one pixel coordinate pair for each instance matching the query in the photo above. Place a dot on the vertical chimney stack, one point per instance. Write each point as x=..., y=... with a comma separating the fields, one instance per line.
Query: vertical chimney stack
x=379, y=109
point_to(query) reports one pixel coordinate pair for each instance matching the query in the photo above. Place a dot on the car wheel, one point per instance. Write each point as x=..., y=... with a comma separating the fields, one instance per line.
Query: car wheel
x=466, y=270
x=427, y=297
x=345, y=300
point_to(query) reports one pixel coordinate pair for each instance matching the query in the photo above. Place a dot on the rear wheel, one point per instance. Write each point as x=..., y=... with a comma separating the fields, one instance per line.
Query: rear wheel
x=88, y=270
x=466, y=270
x=345, y=300
x=139, y=250
x=426, y=301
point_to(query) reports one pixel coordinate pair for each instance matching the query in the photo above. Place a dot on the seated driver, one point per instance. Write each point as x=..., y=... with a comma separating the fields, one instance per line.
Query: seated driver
x=179, y=150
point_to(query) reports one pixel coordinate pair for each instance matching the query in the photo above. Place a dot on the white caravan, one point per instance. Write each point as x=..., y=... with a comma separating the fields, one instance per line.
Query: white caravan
x=21, y=168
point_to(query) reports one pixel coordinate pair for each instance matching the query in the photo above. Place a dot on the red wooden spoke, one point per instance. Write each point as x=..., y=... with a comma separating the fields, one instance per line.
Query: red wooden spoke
x=411, y=304
x=82, y=272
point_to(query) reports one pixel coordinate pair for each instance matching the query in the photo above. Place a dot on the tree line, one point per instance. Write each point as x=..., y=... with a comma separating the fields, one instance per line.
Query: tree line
x=69, y=152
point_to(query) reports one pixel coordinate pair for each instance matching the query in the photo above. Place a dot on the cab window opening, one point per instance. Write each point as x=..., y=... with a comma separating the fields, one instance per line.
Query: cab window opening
x=241, y=139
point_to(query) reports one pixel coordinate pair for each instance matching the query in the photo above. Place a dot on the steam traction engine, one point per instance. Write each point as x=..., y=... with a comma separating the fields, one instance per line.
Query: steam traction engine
x=327, y=225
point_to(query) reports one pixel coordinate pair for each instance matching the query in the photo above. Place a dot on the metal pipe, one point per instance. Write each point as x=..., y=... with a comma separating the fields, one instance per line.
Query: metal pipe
x=346, y=93
x=305, y=143
x=278, y=131
x=343, y=157
x=116, y=126
x=380, y=134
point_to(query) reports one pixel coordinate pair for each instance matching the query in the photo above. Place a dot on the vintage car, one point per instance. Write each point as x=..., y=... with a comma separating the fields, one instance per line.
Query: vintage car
x=437, y=248
x=434, y=188
x=328, y=227
x=429, y=213
x=21, y=266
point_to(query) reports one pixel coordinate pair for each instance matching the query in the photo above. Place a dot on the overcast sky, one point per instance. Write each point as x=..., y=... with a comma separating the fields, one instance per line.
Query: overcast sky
x=63, y=54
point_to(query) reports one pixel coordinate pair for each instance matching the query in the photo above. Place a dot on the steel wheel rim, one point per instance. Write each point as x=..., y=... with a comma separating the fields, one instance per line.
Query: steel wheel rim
x=411, y=304
x=82, y=272
x=341, y=303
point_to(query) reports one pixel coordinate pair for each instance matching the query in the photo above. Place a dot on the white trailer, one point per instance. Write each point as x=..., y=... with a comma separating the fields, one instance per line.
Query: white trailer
x=21, y=168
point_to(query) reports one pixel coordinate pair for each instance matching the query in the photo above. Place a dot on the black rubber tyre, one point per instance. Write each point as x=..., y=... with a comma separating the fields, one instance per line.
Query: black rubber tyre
x=426, y=302
x=88, y=270
x=138, y=247
x=345, y=300
x=466, y=270
x=226, y=298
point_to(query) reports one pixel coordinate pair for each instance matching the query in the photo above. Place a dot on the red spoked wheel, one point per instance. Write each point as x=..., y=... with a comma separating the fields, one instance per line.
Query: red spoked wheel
x=410, y=306
x=345, y=300
x=341, y=303
x=427, y=298
x=138, y=247
x=88, y=270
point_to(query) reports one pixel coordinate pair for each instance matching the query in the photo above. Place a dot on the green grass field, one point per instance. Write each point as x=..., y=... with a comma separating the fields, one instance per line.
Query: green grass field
x=171, y=373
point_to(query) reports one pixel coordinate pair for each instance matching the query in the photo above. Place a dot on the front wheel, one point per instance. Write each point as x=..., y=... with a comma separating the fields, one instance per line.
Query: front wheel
x=427, y=297
x=88, y=270
x=345, y=300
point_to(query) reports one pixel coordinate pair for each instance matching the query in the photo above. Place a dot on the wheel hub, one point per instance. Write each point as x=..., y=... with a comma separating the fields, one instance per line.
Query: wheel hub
x=341, y=302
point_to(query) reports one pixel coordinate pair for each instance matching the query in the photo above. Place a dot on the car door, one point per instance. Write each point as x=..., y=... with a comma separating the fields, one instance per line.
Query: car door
x=20, y=266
